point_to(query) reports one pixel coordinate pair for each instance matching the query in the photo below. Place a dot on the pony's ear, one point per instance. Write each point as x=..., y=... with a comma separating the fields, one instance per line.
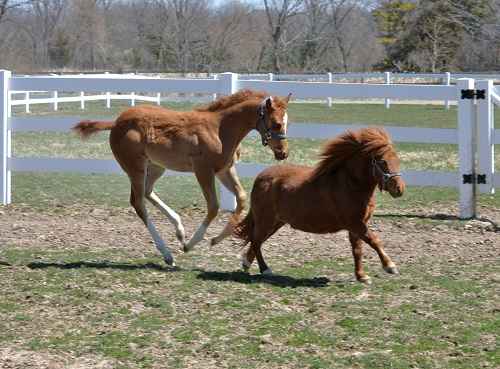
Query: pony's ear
x=269, y=103
x=288, y=97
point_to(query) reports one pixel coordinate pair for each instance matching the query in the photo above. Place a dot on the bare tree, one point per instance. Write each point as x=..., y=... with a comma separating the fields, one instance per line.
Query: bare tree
x=279, y=13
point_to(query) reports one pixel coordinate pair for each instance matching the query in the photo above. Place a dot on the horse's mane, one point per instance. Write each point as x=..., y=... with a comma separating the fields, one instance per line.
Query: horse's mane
x=372, y=141
x=236, y=98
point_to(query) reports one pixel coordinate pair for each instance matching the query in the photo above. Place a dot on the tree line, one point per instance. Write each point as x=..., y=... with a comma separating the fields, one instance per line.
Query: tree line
x=281, y=36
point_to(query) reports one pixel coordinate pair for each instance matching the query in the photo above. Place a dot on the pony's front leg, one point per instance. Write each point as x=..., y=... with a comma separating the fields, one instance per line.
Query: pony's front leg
x=206, y=179
x=357, y=253
x=375, y=243
x=230, y=180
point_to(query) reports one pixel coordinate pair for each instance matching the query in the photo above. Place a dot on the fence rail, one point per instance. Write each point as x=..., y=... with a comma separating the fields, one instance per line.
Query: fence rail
x=467, y=113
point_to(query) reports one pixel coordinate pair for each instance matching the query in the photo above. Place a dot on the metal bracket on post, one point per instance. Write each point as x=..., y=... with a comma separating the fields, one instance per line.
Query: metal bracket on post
x=473, y=94
x=5, y=138
x=473, y=178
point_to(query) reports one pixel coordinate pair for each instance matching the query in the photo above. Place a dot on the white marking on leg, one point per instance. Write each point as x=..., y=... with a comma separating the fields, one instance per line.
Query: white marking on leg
x=197, y=237
x=159, y=243
x=171, y=215
x=285, y=121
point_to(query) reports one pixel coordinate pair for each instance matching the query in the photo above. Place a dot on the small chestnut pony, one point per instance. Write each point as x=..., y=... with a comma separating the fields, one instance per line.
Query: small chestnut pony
x=146, y=140
x=337, y=194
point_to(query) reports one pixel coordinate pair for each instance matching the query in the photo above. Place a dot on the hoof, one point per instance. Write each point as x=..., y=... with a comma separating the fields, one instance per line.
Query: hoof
x=268, y=271
x=391, y=269
x=365, y=280
x=186, y=248
x=169, y=261
x=214, y=241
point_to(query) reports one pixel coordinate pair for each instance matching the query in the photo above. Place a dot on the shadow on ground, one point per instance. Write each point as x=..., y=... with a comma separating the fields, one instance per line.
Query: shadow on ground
x=439, y=216
x=275, y=280
x=101, y=265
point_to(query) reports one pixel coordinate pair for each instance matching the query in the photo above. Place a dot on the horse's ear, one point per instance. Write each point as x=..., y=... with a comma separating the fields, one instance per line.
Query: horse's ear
x=288, y=97
x=269, y=103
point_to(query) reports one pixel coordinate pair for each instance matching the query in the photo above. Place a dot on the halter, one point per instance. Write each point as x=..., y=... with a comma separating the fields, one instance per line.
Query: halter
x=265, y=132
x=386, y=176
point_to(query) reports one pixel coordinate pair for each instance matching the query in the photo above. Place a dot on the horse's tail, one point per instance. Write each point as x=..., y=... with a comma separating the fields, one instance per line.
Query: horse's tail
x=87, y=128
x=244, y=229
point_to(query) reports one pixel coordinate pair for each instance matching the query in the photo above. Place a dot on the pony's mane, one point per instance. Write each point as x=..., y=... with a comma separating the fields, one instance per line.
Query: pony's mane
x=372, y=141
x=236, y=98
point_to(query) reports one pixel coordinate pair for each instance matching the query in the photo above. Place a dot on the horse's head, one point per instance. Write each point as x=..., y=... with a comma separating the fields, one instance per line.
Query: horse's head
x=272, y=125
x=385, y=169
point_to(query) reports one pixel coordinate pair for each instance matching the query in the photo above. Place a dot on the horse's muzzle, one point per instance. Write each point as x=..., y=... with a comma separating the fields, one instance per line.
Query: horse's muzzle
x=280, y=155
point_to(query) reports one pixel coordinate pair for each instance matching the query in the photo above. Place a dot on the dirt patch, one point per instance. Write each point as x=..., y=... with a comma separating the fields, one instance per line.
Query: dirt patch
x=408, y=236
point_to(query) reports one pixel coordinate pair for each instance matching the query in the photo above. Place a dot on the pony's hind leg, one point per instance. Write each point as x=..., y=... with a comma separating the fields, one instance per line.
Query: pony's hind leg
x=230, y=180
x=247, y=258
x=154, y=172
x=256, y=248
x=137, y=201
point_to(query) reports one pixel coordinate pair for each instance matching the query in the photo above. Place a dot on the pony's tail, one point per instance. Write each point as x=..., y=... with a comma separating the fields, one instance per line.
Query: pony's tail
x=244, y=229
x=87, y=128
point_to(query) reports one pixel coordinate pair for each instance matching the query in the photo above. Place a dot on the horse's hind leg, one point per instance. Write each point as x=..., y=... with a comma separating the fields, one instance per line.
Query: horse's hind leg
x=137, y=195
x=154, y=172
x=206, y=179
x=230, y=180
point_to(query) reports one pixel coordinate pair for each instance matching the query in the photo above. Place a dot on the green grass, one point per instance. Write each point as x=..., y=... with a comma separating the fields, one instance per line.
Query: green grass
x=390, y=324
x=53, y=191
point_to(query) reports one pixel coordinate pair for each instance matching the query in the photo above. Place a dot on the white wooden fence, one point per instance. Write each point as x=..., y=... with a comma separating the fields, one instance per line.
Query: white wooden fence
x=470, y=113
x=28, y=98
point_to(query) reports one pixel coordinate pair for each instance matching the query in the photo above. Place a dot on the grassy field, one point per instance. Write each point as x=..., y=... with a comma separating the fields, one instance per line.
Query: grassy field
x=83, y=287
x=80, y=308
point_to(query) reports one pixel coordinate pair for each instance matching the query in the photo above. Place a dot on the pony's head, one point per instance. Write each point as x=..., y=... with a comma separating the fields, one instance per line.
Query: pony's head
x=272, y=125
x=385, y=170
x=368, y=155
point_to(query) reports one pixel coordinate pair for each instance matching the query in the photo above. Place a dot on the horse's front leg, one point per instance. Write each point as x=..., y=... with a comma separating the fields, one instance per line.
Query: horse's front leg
x=206, y=179
x=230, y=180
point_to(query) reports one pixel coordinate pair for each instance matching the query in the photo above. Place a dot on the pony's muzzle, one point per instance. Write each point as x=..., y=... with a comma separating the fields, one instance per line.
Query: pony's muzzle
x=396, y=187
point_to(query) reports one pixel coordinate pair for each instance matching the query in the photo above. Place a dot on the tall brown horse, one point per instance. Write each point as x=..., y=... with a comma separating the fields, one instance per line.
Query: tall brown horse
x=146, y=140
x=337, y=194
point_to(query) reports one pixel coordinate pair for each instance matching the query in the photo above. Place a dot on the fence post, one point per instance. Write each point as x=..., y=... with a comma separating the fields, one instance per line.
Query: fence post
x=466, y=147
x=330, y=80
x=270, y=77
x=55, y=97
x=387, y=82
x=215, y=77
x=82, y=100
x=27, y=101
x=5, y=138
x=229, y=82
x=485, y=134
x=158, y=98
x=132, y=99
x=447, y=81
